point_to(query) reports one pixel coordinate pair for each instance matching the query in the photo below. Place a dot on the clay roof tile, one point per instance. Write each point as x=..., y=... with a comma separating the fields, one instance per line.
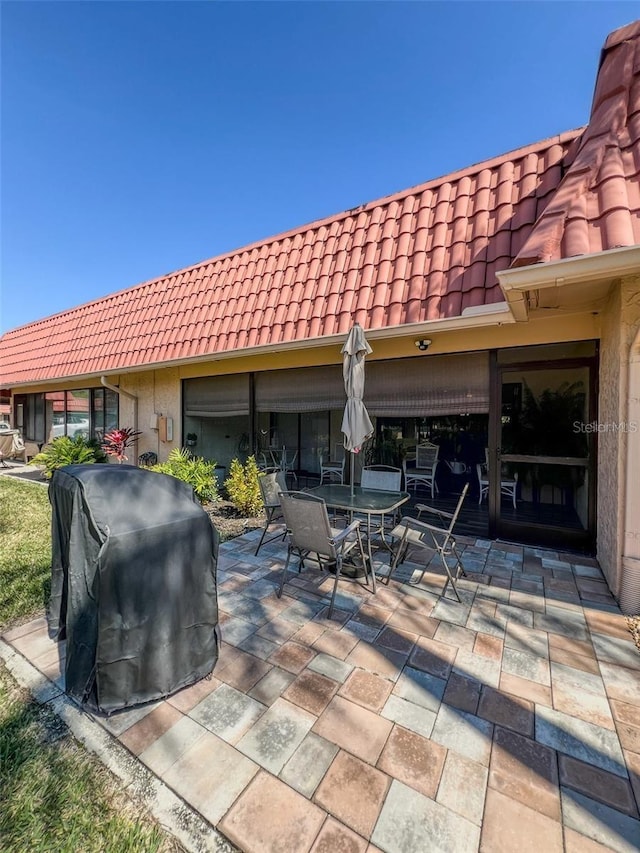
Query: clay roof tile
x=418, y=255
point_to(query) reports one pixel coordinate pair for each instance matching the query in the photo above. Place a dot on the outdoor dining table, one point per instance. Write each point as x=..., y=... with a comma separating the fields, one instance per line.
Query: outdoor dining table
x=367, y=502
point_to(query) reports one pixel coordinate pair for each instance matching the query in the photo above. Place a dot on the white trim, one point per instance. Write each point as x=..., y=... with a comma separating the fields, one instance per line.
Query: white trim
x=601, y=266
x=495, y=314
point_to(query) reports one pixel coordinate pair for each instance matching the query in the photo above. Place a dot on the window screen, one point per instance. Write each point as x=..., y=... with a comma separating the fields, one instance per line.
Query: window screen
x=305, y=389
x=217, y=396
x=423, y=387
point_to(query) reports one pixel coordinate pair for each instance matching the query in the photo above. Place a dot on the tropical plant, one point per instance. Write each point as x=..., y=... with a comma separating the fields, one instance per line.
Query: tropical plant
x=116, y=441
x=383, y=450
x=65, y=450
x=547, y=424
x=194, y=470
x=547, y=427
x=243, y=487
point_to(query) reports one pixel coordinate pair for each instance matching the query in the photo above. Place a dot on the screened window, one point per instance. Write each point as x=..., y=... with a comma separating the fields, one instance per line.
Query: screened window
x=306, y=389
x=427, y=387
x=217, y=396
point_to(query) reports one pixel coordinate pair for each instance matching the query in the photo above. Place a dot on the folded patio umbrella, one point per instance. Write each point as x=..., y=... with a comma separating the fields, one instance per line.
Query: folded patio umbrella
x=356, y=424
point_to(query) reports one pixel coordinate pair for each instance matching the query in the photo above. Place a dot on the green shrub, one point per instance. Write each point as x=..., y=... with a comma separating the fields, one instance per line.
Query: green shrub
x=98, y=450
x=243, y=487
x=194, y=470
x=68, y=451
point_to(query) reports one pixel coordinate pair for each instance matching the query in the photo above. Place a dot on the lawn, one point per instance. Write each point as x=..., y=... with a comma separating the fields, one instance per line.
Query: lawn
x=56, y=797
x=25, y=549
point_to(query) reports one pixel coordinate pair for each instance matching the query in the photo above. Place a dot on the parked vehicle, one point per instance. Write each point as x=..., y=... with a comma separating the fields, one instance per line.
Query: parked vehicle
x=77, y=425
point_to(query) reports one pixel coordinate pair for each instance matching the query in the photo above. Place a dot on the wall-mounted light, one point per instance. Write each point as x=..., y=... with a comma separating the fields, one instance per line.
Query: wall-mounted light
x=423, y=344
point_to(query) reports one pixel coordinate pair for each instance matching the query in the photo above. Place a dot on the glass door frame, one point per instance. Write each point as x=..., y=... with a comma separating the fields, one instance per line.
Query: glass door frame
x=530, y=532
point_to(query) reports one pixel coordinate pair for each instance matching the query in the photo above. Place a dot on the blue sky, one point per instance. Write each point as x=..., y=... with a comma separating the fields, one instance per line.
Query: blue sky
x=141, y=137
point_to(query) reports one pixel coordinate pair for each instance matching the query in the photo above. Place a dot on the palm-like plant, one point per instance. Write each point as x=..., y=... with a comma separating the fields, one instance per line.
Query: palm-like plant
x=116, y=441
x=67, y=451
x=194, y=470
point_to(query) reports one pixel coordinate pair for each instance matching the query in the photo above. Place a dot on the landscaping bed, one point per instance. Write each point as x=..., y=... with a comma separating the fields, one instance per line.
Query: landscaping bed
x=229, y=522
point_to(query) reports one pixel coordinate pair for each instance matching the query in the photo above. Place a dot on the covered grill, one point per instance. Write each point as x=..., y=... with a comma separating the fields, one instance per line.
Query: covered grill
x=133, y=585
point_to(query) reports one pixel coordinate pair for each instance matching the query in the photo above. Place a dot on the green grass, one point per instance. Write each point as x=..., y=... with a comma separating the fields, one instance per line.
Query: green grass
x=54, y=796
x=25, y=549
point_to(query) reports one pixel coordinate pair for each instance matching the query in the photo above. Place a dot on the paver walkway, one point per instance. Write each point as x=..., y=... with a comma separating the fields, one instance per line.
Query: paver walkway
x=408, y=723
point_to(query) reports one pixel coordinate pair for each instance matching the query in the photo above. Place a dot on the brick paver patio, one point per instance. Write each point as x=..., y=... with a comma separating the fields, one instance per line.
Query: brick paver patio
x=408, y=723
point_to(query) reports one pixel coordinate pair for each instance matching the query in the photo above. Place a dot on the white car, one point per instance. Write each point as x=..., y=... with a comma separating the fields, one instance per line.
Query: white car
x=76, y=426
x=4, y=426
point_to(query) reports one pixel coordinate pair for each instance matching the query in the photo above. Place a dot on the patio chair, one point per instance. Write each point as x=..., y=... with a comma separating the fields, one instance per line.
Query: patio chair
x=264, y=462
x=285, y=461
x=431, y=538
x=289, y=464
x=508, y=485
x=425, y=469
x=272, y=482
x=309, y=532
x=334, y=467
x=383, y=478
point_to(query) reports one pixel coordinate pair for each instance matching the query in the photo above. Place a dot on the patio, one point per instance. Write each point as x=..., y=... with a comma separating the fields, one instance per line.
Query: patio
x=409, y=722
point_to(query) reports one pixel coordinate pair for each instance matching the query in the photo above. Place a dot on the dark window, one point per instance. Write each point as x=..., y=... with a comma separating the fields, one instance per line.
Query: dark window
x=87, y=413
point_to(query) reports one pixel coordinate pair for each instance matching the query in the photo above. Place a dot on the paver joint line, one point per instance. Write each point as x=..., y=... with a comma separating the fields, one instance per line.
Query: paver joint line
x=459, y=714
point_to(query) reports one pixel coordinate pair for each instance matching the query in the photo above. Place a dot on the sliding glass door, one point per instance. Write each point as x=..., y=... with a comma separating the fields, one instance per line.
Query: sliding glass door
x=540, y=474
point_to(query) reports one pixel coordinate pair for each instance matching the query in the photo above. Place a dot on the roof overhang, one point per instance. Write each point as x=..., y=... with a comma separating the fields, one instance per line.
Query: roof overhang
x=493, y=314
x=568, y=284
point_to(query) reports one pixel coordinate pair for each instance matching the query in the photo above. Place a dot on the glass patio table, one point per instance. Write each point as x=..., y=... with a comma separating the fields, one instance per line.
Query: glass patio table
x=368, y=502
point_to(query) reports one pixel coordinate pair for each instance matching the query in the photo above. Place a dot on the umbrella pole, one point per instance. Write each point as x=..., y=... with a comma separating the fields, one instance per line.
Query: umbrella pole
x=353, y=465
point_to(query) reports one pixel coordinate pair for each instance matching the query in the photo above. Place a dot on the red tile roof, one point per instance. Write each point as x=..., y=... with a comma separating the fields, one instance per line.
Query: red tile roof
x=420, y=255
x=597, y=205
x=423, y=254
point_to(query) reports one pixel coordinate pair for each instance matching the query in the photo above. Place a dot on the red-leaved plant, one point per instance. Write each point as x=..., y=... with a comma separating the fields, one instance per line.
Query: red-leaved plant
x=116, y=441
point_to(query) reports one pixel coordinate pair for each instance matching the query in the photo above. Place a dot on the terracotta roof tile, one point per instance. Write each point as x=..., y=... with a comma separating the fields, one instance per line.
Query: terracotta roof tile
x=422, y=254
x=596, y=206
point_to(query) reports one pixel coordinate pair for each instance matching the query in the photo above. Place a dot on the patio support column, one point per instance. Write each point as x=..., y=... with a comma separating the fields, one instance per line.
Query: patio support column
x=630, y=585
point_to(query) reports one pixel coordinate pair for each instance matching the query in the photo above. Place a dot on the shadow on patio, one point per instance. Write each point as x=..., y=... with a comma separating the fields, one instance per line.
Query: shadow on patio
x=409, y=722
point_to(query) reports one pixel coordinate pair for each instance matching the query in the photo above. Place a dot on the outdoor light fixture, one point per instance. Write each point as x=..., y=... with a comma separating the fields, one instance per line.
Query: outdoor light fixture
x=423, y=344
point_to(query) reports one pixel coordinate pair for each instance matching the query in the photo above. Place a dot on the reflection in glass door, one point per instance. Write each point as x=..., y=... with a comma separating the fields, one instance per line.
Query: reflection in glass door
x=541, y=474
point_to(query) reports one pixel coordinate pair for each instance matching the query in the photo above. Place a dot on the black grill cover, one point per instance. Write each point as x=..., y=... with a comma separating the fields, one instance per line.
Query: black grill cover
x=133, y=586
